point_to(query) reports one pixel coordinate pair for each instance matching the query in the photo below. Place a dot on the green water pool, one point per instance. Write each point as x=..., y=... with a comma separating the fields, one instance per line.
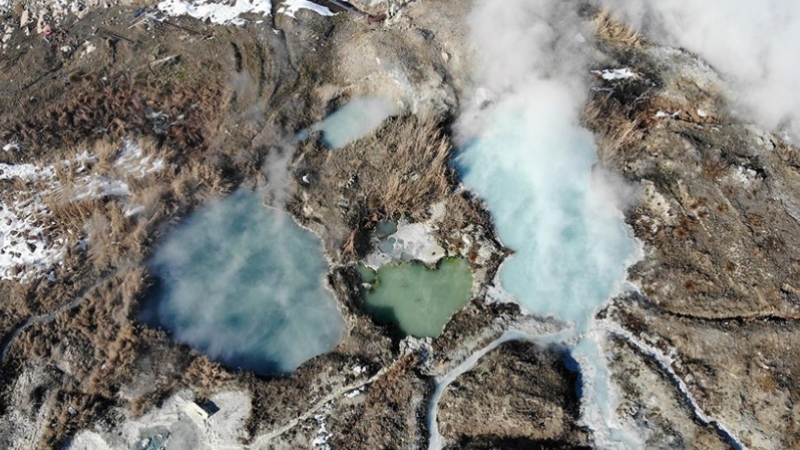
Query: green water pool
x=418, y=300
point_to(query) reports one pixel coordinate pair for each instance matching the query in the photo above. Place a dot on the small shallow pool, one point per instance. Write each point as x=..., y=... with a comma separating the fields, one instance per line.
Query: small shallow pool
x=245, y=285
x=354, y=120
x=417, y=300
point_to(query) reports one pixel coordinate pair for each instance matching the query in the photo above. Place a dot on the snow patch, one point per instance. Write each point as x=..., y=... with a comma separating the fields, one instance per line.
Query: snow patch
x=98, y=187
x=12, y=146
x=744, y=175
x=616, y=74
x=323, y=435
x=23, y=239
x=355, y=392
x=133, y=161
x=223, y=13
x=26, y=246
x=27, y=172
x=290, y=7
x=664, y=114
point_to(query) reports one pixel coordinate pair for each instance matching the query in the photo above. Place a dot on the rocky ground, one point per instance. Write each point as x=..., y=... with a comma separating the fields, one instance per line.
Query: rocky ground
x=703, y=354
x=517, y=396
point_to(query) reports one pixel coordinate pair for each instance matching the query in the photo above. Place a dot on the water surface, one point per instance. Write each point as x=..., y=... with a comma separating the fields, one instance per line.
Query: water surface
x=244, y=284
x=571, y=245
x=535, y=167
x=418, y=300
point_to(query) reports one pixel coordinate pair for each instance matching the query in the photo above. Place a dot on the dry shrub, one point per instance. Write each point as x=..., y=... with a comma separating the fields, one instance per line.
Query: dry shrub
x=120, y=108
x=86, y=409
x=106, y=320
x=410, y=173
x=396, y=172
x=205, y=376
x=613, y=32
x=615, y=132
x=788, y=154
x=115, y=238
x=714, y=166
x=462, y=210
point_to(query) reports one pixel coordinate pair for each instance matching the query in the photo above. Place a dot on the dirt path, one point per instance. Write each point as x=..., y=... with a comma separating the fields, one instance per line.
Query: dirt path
x=435, y=439
x=47, y=318
x=263, y=439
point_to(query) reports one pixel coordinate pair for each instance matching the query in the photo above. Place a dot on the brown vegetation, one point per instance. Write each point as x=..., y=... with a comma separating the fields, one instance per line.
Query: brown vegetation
x=120, y=108
x=613, y=32
x=410, y=157
x=615, y=130
x=396, y=172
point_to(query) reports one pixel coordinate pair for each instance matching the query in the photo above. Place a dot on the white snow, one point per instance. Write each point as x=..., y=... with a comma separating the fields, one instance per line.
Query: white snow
x=615, y=74
x=290, y=7
x=661, y=114
x=23, y=239
x=132, y=160
x=12, y=146
x=132, y=210
x=323, y=435
x=97, y=187
x=223, y=13
x=26, y=245
x=27, y=172
x=355, y=392
x=744, y=175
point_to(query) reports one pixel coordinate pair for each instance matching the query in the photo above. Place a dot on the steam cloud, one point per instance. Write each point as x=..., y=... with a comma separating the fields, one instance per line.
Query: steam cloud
x=244, y=285
x=753, y=43
x=528, y=157
x=354, y=120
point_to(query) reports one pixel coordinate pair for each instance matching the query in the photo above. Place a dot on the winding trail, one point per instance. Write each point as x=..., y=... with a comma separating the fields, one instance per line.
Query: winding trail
x=663, y=361
x=434, y=438
x=47, y=318
x=262, y=440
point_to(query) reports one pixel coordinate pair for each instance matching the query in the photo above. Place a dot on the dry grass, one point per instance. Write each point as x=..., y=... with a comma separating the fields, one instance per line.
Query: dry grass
x=114, y=235
x=396, y=172
x=615, y=131
x=120, y=108
x=714, y=166
x=399, y=170
x=615, y=33
x=205, y=376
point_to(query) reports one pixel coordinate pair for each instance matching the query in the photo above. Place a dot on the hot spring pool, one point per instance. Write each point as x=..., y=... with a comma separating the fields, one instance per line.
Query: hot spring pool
x=353, y=121
x=245, y=285
x=418, y=300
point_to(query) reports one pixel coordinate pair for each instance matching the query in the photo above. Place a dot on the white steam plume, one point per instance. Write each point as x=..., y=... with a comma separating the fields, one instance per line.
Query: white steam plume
x=753, y=43
x=526, y=154
x=530, y=159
